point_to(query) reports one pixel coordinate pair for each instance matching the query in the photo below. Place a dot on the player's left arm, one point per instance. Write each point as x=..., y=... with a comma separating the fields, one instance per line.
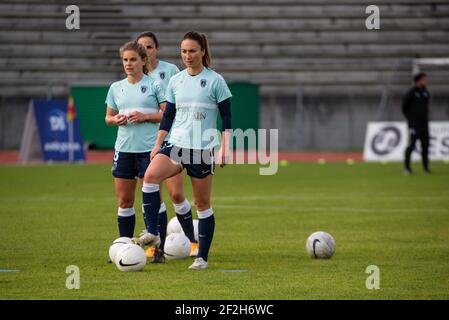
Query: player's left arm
x=223, y=95
x=140, y=117
x=225, y=112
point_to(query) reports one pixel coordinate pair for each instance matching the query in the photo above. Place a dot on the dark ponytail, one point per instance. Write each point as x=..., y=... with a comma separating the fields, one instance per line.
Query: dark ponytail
x=148, y=34
x=204, y=44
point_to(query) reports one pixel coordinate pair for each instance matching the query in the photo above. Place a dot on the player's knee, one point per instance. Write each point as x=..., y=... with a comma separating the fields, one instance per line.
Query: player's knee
x=176, y=196
x=151, y=177
x=126, y=203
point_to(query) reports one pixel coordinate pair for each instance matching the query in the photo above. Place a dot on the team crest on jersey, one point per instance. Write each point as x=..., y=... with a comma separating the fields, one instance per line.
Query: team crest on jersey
x=143, y=89
x=203, y=82
x=162, y=75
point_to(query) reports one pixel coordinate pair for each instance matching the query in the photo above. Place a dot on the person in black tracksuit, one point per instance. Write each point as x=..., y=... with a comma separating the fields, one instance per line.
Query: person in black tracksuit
x=415, y=108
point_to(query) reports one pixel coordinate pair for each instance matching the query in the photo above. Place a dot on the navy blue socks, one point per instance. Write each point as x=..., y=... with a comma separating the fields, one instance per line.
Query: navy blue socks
x=151, y=203
x=206, y=227
x=126, y=222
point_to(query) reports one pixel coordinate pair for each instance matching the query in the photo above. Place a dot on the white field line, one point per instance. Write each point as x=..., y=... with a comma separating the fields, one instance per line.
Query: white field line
x=326, y=197
x=329, y=209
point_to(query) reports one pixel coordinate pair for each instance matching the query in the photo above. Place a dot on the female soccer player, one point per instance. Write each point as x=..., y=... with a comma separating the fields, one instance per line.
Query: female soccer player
x=163, y=71
x=133, y=104
x=194, y=97
x=158, y=69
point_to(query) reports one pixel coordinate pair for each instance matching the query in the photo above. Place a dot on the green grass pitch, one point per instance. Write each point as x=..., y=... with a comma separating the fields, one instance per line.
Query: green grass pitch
x=53, y=216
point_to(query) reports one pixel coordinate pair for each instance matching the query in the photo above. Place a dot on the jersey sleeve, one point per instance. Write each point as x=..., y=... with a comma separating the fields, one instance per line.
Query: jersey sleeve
x=174, y=70
x=110, y=102
x=159, y=91
x=169, y=92
x=221, y=90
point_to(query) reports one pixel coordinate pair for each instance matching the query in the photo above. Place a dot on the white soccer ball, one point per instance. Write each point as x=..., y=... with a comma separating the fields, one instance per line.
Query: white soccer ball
x=177, y=246
x=116, y=245
x=320, y=245
x=175, y=227
x=130, y=257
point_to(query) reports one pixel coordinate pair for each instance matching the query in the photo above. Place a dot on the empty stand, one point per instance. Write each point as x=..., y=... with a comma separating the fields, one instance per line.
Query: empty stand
x=320, y=46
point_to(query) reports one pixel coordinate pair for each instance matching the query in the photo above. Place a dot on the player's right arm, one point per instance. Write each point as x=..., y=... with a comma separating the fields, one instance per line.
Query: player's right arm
x=157, y=145
x=164, y=127
x=113, y=118
x=167, y=118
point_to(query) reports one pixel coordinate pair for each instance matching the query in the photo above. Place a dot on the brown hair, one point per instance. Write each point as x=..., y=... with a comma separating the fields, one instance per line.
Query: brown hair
x=419, y=76
x=148, y=34
x=203, y=42
x=138, y=48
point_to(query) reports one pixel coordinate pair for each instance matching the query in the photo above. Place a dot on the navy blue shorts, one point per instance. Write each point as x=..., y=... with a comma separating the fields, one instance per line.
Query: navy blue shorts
x=127, y=165
x=198, y=163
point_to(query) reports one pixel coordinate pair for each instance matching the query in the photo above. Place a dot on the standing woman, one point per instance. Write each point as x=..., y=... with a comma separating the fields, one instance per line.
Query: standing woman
x=162, y=72
x=194, y=98
x=158, y=69
x=133, y=104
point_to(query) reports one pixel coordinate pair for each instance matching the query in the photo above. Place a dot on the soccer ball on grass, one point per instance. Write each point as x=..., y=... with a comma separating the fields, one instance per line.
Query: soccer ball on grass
x=130, y=257
x=116, y=245
x=177, y=246
x=320, y=245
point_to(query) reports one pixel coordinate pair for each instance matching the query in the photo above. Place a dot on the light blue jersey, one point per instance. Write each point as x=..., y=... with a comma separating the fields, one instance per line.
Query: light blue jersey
x=196, y=99
x=145, y=97
x=163, y=73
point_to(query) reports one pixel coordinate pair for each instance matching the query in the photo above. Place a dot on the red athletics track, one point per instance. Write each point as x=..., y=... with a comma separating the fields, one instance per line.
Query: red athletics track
x=11, y=157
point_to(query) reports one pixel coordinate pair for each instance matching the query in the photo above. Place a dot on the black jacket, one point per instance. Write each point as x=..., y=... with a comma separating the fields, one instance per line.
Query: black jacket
x=415, y=108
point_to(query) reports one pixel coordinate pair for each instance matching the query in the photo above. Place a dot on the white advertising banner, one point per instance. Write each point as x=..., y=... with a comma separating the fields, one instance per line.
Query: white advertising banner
x=387, y=141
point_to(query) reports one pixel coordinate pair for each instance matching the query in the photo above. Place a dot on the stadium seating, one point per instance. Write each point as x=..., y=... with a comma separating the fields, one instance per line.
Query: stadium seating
x=322, y=46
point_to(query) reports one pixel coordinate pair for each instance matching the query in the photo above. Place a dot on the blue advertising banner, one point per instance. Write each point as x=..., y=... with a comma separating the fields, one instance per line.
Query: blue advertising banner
x=59, y=131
